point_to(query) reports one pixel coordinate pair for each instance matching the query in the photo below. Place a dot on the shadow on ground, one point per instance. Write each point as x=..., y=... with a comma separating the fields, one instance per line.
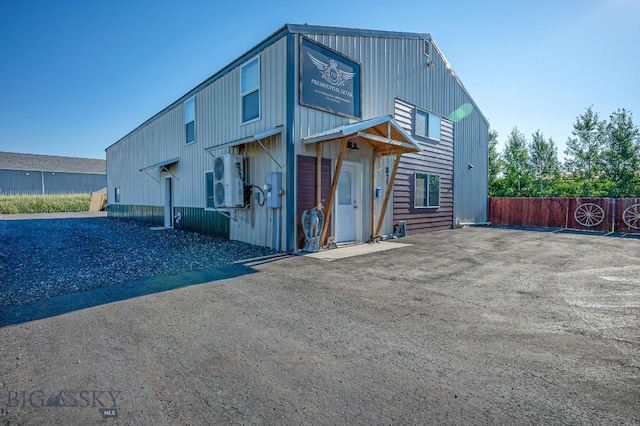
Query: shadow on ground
x=58, y=305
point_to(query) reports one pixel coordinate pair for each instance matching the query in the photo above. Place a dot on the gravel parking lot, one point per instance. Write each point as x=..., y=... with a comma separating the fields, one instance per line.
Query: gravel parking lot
x=469, y=326
x=40, y=259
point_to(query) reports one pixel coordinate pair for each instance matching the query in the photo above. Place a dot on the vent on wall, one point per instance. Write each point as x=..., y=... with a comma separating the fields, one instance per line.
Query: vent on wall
x=427, y=48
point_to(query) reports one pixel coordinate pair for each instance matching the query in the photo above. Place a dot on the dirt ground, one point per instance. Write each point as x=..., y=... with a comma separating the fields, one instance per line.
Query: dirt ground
x=469, y=326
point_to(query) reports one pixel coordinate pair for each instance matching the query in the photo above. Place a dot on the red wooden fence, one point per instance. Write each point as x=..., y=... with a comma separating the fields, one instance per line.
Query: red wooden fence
x=592, y=214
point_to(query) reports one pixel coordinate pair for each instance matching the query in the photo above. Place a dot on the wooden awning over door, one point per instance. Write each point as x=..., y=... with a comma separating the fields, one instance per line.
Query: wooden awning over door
x=384, y=135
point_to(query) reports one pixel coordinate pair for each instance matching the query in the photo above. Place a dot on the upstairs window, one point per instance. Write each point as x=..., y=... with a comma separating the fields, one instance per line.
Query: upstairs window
x=427, y=191
x=427, y=125
x=250, y=90
x=190, y=120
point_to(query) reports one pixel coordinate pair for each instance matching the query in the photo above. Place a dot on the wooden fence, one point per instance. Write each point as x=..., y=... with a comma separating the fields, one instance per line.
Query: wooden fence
x=620, y=215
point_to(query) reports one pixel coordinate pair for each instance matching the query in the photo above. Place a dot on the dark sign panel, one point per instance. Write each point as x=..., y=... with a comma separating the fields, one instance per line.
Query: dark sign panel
x=329, y=81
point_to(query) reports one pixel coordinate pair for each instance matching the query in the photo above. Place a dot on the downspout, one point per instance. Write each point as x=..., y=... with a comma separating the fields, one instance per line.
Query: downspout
x=290, y=215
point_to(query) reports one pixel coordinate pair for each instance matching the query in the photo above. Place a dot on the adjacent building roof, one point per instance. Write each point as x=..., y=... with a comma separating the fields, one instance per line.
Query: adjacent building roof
x=51, y=163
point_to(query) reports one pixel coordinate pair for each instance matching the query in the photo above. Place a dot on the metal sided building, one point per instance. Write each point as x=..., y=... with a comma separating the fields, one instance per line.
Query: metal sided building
x=374, y=127
x=31, y=174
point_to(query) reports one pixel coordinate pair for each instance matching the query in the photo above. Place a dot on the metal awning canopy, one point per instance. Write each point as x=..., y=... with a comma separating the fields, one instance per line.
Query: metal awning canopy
x=383, y=134
x=163, y=166
x=256, y=137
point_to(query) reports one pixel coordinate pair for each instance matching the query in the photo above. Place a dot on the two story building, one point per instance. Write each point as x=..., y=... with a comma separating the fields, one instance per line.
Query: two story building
x=374, y=128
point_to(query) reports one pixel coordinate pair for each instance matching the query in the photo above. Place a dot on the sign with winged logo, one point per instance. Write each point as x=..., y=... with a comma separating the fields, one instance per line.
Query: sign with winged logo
x=328, y=80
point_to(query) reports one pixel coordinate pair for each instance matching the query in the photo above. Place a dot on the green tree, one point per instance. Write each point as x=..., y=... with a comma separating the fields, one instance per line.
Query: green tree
x=621, y=156
x=543, y=165
x=517, y=176
x=495, y=164
x=584, y=150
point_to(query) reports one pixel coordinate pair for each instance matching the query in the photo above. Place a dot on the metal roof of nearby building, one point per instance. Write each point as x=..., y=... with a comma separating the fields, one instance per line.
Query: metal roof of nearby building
x=51, y=163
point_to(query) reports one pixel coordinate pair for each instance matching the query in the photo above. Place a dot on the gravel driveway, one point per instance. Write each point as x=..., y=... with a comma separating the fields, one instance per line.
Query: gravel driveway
x=45, y=258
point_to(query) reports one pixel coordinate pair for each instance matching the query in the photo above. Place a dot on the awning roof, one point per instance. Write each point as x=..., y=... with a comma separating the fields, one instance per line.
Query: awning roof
x=162, y=164
x=262, y=134
x=256, y=137
x=384, y=134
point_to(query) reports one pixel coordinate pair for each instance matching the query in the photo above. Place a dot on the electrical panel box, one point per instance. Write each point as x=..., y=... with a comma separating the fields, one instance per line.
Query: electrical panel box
x=228, y=185
x=274, y=190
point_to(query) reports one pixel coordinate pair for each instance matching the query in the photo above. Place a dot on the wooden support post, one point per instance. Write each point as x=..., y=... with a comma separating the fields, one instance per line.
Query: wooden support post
x=387, y=194
x=332, y=192
x=374, y=156
x=318, y=174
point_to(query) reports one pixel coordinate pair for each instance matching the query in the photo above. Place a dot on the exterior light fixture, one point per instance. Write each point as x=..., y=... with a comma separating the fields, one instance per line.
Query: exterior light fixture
x=353, y=145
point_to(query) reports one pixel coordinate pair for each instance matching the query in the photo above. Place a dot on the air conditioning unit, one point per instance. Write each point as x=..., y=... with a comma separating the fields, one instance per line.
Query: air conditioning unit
x=228, y=188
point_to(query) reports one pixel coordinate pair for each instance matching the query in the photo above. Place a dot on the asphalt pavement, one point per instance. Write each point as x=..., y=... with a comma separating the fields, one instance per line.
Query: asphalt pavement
x=467, y=326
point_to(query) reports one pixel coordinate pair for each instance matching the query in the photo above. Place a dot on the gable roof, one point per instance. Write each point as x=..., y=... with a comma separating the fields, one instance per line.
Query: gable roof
x=300, y=29
x=384, y=134
x=51, y=163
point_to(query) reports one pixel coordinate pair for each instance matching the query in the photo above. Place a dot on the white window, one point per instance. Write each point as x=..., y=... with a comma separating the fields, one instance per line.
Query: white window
x=208, y=177
x=427, y=125
x=427, y=191
x=190, y=120
x=250, y=90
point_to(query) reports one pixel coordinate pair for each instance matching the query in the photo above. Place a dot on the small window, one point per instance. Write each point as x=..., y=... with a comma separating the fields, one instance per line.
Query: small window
x=209, y=185
x=427, y=125
x=250, y=90
x=190, y=120
x=427, y=191
x=116, y=194
x=427, y=48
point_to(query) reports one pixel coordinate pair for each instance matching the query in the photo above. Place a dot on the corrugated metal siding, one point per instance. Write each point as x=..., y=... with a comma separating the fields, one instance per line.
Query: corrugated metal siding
x=397, y=68
x=153, y=215
x=471, y=144
x=218, y=121
x=202, y=221
x=254, y=224
x=29, y=182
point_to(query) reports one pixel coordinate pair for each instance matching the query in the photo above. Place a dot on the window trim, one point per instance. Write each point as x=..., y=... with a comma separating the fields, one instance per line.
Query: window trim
x=428, y=179
x=195, y=138
x=427, y=115
x=250, y=91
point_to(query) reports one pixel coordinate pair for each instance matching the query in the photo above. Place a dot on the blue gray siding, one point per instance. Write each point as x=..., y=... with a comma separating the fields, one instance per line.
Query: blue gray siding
x=29, y=182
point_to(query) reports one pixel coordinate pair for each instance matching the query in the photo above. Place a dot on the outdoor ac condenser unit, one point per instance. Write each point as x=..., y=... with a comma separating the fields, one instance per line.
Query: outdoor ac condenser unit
x=228, y=186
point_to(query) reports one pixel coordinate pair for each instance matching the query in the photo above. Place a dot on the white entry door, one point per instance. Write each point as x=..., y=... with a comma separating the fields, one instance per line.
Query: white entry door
x=347, y=208
x=168, y=203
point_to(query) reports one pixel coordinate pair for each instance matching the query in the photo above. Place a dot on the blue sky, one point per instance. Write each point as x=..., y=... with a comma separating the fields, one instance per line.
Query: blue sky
x=76, y=76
